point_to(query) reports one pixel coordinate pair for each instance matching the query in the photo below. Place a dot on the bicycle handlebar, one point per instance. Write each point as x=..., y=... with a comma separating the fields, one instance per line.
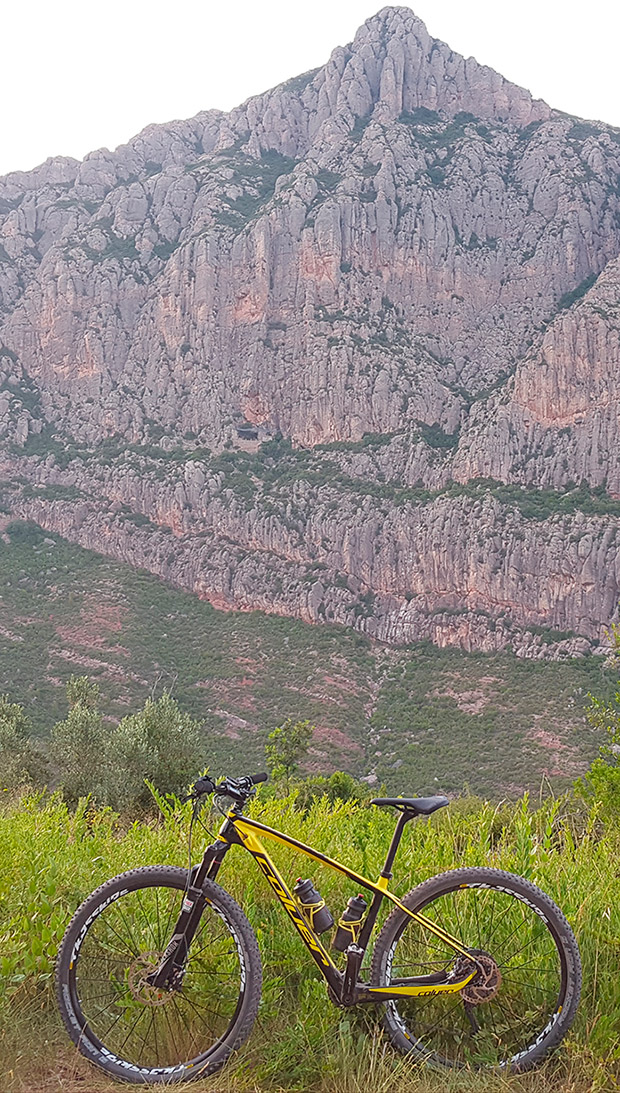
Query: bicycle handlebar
x=237, y=788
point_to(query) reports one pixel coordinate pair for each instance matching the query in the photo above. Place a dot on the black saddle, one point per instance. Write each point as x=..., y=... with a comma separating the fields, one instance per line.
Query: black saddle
x=420, y=806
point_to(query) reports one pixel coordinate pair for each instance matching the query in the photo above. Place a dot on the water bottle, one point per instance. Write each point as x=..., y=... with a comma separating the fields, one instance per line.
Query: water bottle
x=350, y=923
x=318, y=915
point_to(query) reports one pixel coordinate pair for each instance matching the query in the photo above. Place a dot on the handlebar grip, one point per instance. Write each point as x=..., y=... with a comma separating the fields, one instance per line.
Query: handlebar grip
x=256, y=778
x=204, y=785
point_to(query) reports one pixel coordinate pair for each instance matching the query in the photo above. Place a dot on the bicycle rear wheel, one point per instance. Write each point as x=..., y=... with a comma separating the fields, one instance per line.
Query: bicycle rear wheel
x=524, y=995
x=134, y=1031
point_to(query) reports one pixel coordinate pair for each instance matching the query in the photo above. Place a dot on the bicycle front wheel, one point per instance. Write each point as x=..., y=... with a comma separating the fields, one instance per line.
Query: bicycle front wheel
x=525, y=992
x=136, y=1032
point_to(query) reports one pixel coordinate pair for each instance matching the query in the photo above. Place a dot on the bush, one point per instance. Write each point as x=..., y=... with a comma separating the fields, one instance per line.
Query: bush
x=160, y=744
x=288, y=745
x=78, y=743
x=20, y=763
x=602, y=782
x=338, y=787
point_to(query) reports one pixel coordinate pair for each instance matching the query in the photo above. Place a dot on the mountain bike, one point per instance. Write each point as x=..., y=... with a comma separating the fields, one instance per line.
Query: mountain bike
x=159, y=972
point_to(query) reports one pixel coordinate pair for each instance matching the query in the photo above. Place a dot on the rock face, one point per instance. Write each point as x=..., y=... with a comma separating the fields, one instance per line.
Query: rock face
x=350, y=351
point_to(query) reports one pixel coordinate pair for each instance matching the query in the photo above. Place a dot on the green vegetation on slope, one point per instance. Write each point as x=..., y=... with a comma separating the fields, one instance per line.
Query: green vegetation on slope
x=420, y=718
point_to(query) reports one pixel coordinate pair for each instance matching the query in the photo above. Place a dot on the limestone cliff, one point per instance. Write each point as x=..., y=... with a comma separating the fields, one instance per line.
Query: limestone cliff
x=350, y=351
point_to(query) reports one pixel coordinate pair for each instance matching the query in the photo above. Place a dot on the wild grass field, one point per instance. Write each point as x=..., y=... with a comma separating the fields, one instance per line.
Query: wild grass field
x=417, y=719
x=51, y=857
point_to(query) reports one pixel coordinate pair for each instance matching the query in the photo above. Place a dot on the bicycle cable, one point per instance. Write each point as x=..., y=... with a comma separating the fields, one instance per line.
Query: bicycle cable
x=196, y=809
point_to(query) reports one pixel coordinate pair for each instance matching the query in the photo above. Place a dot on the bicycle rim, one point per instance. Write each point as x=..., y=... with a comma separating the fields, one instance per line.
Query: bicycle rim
x=137, y=1026
x=517, y=995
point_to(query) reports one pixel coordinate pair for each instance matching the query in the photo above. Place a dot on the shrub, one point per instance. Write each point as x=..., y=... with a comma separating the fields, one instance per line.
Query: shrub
x=161, y=744
x=78, y=744
x=288, y=744
x=602, y=781
x=20, y=762
x=338, y=787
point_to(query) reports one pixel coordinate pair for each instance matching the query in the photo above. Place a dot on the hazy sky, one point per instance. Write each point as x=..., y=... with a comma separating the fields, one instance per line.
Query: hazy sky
x=78, y=75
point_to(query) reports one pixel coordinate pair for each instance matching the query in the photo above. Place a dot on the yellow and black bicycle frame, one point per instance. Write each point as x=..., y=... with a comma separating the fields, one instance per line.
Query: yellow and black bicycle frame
x=240, y=830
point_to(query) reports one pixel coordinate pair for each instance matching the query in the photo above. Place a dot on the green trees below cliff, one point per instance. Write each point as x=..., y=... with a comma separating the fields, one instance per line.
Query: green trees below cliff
x=87, y=757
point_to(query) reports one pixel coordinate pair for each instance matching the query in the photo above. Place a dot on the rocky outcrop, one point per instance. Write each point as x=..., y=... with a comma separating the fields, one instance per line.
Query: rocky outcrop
x=402, y=264
x=557, y=421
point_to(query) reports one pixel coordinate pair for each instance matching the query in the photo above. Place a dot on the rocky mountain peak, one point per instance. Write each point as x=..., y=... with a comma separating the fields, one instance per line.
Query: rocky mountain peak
x=393, y=65
x=349, y=351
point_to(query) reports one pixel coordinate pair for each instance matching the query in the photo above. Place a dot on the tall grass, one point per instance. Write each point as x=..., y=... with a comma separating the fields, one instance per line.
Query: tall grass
x=52, y=857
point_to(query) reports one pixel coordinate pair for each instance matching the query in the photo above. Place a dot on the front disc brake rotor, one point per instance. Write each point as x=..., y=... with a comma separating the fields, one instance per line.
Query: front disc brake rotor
x=142, y=991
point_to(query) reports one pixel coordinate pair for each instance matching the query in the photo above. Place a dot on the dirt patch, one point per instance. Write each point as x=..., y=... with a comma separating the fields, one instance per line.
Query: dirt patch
x=234, y=692
x=113, y=671
x=563, y=758
x=97, y=621
x=249, y=663
x=342, y=683
x=235, y=726
x=471, y=702
x=324, y=734
x=318, y=695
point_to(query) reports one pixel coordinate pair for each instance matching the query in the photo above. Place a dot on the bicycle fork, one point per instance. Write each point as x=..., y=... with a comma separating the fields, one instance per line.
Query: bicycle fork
x=168, y=975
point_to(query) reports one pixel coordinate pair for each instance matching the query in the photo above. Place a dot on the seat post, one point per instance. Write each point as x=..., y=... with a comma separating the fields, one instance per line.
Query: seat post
x=385, y=873
x=404, y=818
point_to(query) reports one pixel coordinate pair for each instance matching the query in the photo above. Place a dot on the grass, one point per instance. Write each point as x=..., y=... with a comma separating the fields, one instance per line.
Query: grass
x=417, y=718
x=51, y=858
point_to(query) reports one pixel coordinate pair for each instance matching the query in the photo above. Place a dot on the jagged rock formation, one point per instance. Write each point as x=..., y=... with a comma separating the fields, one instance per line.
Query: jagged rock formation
x=400, y=263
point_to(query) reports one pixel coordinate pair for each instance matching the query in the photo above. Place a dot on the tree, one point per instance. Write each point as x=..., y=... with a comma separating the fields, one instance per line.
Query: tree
x=338, y=787
x=79, y=743
x=20, y=762
x=161, y=744
x=288, y=745
x=82, y=689
x=602, y=781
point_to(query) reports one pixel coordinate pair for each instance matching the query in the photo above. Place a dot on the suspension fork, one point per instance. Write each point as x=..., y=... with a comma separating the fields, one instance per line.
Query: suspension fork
x=169, y=971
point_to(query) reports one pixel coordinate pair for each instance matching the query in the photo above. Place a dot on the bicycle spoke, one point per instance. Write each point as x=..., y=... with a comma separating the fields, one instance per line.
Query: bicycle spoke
x=530, y=986
x=114, y=1024
x=137, y=1020
x=456, y=915
x=542, y=932
x=148, y=921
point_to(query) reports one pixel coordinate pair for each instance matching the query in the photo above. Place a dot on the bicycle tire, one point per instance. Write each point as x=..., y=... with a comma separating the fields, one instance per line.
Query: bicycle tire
x=538, y=975
x=115, y=937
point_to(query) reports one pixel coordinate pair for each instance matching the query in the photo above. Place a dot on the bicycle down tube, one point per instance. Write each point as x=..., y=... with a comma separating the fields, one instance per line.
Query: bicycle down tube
x=245, y=831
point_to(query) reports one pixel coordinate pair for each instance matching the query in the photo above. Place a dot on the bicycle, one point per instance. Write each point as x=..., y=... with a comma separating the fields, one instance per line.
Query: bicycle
x=159, y=972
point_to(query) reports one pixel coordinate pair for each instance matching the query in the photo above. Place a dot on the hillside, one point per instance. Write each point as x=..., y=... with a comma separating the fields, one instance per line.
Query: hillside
x=347, y=353
x=415, y=719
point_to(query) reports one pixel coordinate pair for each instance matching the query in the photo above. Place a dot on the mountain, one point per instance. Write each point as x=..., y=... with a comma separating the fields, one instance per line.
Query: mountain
x=349, y=352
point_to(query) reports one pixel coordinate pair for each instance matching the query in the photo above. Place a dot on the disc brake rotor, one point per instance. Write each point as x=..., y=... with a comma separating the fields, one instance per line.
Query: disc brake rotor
x=136, y=978
x=487, y=981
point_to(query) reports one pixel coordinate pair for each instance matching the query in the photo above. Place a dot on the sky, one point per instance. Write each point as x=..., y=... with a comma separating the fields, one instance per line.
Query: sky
x=78, y=76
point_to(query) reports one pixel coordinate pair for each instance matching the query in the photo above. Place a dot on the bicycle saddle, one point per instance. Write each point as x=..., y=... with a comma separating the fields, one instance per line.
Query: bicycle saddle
x=422, y=806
